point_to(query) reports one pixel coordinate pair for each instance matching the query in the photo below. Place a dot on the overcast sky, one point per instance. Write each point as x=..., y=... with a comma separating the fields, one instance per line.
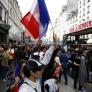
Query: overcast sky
x=53, y=6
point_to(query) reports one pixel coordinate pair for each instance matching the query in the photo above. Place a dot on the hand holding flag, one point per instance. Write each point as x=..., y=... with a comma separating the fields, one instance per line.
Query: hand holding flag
x=55, y=37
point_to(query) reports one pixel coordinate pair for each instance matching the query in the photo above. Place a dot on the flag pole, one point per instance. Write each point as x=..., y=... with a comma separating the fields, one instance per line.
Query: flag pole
x=53, y=31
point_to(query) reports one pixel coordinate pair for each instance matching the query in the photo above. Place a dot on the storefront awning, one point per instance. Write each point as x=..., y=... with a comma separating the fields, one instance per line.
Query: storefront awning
x=81, y=32
x=81, y=29
x=5, y=26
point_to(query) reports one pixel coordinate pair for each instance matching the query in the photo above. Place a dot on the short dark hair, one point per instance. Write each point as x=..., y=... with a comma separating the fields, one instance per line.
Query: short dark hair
x=42, y=48
x=31, y=66
x=46, y=87
x=26, y=72
x=22, y=61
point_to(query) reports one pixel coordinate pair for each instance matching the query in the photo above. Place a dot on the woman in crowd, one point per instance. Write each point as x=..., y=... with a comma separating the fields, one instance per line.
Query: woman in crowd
x=82, y=70
x=49, y=70
x=75, y=67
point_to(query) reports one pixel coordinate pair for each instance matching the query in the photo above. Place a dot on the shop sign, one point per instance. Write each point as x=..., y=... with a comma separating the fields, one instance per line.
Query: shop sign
x=81, y=27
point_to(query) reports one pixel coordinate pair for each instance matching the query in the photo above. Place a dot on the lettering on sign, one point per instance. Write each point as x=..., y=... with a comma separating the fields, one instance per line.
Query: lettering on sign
x=81, y=27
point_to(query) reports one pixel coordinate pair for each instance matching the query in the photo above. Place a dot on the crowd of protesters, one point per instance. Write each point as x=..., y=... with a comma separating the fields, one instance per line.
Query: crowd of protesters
x=38, y=68
x=80, y=66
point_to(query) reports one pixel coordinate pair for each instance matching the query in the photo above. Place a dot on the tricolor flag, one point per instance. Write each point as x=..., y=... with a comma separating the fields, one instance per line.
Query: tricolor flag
x=37, y=19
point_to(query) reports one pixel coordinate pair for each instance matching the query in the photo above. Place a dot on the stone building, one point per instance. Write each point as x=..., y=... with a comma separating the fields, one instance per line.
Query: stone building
x=11, y=16
x=4, y=27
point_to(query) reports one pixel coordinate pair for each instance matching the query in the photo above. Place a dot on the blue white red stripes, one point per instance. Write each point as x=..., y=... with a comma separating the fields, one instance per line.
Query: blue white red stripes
x=37, y=19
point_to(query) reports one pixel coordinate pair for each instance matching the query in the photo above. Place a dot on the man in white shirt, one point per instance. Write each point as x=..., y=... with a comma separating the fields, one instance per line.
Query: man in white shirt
x=44, y=59
x=32, y=71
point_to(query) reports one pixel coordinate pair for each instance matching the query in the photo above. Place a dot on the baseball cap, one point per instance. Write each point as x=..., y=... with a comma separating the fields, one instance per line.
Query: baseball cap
x=34, y=64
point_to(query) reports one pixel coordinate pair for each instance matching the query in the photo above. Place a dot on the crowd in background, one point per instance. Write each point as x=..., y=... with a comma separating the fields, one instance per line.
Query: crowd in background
x=16, y=59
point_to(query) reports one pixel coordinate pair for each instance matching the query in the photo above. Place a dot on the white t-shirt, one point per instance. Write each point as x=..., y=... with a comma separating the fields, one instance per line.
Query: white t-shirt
x=52, y=85
x=47, y=56
x=41, y=54
x=29, y=86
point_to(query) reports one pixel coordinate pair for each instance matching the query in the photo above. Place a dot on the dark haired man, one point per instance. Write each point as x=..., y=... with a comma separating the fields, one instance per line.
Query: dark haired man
x=32, y=71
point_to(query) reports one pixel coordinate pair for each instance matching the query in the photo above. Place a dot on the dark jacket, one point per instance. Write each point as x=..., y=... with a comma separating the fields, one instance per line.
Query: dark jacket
x=64, y=59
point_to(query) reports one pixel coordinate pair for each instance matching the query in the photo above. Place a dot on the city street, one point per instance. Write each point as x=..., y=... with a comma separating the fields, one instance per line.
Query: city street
x=69, y=87
x=63, y=88
x=40, y=40
x=2, y=86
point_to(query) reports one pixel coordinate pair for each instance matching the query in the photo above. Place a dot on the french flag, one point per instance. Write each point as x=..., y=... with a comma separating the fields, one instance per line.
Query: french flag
x=36, y=21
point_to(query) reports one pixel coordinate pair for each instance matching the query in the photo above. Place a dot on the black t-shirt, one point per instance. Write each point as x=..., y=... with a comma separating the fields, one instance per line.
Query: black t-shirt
x=77, y=61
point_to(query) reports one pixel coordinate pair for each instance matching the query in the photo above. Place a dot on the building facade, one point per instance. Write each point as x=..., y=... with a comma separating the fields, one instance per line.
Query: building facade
x=72, y=16
x=4, y=27
x=84, y=11
x=60, y=25
x=85, y=14
x=75, y=21
x=80, y=22
x=13, y=16
x=72, y=6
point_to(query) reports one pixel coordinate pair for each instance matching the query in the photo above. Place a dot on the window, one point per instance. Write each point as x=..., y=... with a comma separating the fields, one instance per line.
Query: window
x=84, y=12
x=87, y=36
x=84, y=2
x=5, y=18
x=76, y=18
x=83, y=20
x=13, y=2
x=88, y=0
x=80, y=14
x=88, y=9
x=80, y=4
x=83, y=36
x=80, y=21
x=1, y=9
x=80, y=37
x=11, y=11
x=87, y=18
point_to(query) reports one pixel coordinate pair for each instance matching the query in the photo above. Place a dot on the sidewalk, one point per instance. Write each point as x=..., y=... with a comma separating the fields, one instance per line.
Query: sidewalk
x=88, y=87
x=69, y=87
x=2, y=86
